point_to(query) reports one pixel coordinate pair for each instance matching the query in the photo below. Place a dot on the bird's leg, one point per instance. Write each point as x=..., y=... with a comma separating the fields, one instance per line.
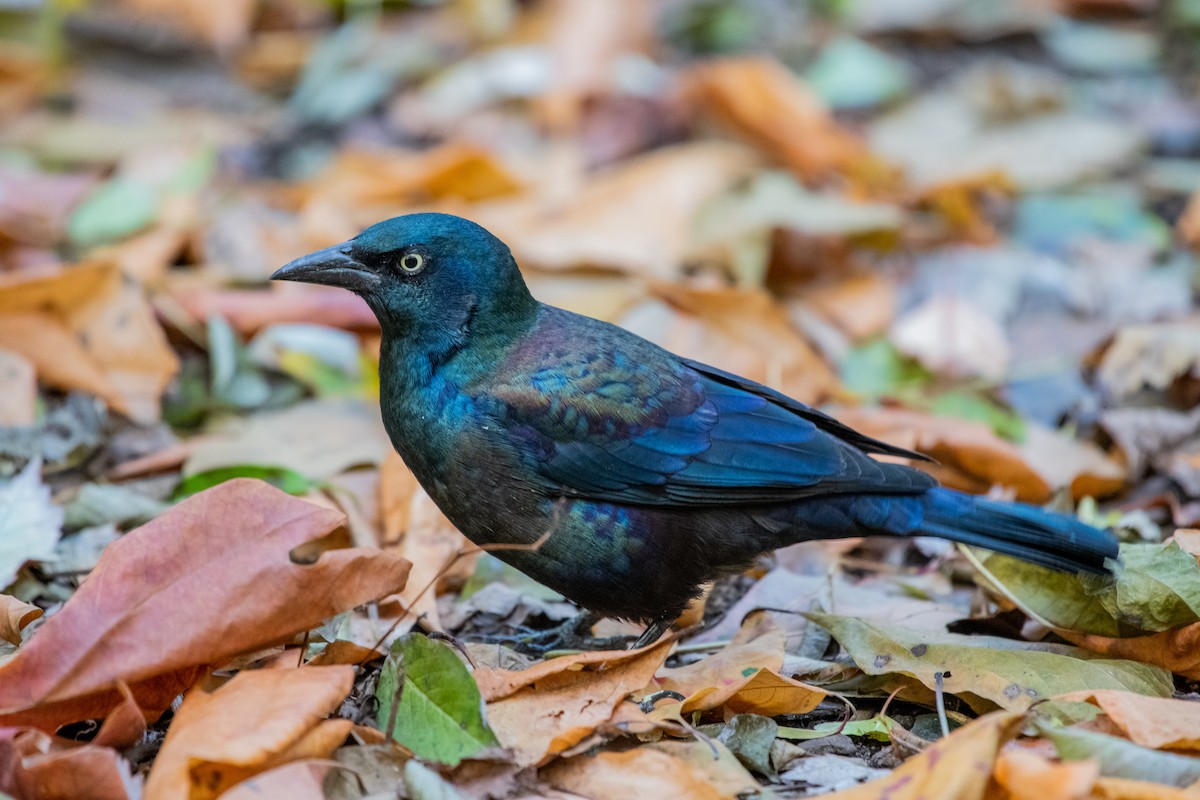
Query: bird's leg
x=653, y=632
x=570, y=635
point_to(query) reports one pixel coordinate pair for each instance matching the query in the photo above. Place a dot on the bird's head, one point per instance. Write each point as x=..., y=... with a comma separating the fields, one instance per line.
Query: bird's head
x=433, y=279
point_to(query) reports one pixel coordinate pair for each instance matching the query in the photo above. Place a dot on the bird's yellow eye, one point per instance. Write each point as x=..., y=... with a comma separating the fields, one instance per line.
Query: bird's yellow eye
x=412, y=263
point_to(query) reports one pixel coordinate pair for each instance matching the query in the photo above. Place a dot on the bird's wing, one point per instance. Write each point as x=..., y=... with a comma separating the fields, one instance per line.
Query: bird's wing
x=640, y=426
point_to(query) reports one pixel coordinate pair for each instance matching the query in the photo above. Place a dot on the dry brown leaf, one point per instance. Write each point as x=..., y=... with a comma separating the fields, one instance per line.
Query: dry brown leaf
x=14, y=616
x=1177, y=650
x=1188, y=540
x=860, y=306
x=1125, y=789
x=1152, y=355
x=18, y=390
x=87, y=328
x=1189, y=222
x=496, y=683
x=1065, y=462
x=1156, y=722
x=774, y=110
x=970, y=456
x=35, y=206
x=743, y=677
x=37, y=766
x=250, y=310
x=563, y=707
x=207, y=580
x=637, y=217
x=1025, y=775
x=259, y=720
x=742, y=330
x=632, y=775
x=424, y=537
x=958, y=767
x=222, y=26
x=299, y=780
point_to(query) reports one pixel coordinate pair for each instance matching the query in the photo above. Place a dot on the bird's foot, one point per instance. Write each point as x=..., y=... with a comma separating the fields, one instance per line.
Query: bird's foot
x=574, y=634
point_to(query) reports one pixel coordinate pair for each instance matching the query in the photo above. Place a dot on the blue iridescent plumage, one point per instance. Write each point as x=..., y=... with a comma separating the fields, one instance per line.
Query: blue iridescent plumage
x=651, y=473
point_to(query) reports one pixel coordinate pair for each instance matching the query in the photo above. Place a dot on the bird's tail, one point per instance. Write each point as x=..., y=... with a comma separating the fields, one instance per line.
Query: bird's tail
x=1053, y=540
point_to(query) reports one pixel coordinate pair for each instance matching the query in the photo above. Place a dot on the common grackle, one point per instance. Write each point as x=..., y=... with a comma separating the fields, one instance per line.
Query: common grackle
x=653, y=473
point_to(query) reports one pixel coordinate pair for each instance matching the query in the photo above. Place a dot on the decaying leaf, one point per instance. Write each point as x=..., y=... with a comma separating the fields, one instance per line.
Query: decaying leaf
x=1156, y=588
x=14, y=616
x=30, y=525
x=557, y=706
x=1149, y=356
x=257, y=721
x=987, y=671
x=1155, y=722
x=207, y=580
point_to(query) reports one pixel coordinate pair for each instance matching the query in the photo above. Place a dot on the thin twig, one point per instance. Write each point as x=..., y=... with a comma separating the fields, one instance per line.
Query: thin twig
x=940, y=699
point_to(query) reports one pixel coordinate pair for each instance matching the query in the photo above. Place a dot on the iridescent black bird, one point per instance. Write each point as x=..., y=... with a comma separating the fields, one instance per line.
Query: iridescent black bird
x=654, y=472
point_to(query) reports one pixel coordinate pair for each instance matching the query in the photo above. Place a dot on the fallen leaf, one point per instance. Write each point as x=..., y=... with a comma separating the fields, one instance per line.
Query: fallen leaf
x=1149, y=356
x=830, y=772
x=299, y=780
x=1155, y=588
x=987, y=671
x=1158, y=723
x=1189, y=222
x=1063, y=461
x=637, y=218
x=257, y=721
x=30, y=525
x=222, y=27
x=339, y=434
x=743, y=330
x=250, y=310
x=633, y=775
x=203, y=582
x=1119, y=758
x=1177, y=651
x=18, y=390
x=947, y=334
x=87, y=328
x=14, y=616
x=1028, y=776
x=775, y=111
x=860, y=306
x=48, y=768
x=438, y=713
x=958, y=767
x=970, y=456
x=561, y=706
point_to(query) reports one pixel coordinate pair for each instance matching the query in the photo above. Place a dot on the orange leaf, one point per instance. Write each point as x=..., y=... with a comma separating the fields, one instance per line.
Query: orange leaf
x=1176, y=650
x=1156, y=722
x=86, y=328
x=299, y=780
x=1125, y=789
x=777, y=112
x=643, y=772
x=495, y=683
x=47, y=769
x=207, y=580
x=1029, y=776
x=561, y=708
x=258, y=720
x=958, y=767
x=18, y=390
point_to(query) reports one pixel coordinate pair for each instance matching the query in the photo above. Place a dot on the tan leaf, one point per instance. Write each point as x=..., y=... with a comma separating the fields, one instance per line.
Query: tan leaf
x=958, y=767
x=47, y=768
x=860, y=306
x=742, y=330
x=775, y=111
x=87, y=328
x=250, y=310
x=14, y=616
x=664, y=769
x=259, y=720
x=1189, y=222
x=18, y=390
x=970, y=456
x=496, y=683
x=560, y=709
x=1177, y=650
x=205, y=581
x=299, y=780
x=223, y=26
x=1126, y=789
x=1025, y=775
x=636, y=217
x=1157, y=722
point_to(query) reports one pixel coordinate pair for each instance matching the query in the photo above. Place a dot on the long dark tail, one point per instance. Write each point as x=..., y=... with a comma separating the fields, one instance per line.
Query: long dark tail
x=1053, y=540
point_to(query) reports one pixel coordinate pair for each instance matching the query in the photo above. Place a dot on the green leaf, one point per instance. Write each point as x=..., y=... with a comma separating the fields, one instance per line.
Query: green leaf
x=988, y=671
x=877, y=369
x=979, y=408
x=877, y=727
x=849, y=73
x=1120, y=758
x=287, y=480
x=1157, y=588
x=439, y=715
x=113, y=211
x=749, y=737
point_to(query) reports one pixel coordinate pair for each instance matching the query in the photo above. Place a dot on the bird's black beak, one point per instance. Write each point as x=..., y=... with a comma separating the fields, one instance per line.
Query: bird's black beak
x=333, y=266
